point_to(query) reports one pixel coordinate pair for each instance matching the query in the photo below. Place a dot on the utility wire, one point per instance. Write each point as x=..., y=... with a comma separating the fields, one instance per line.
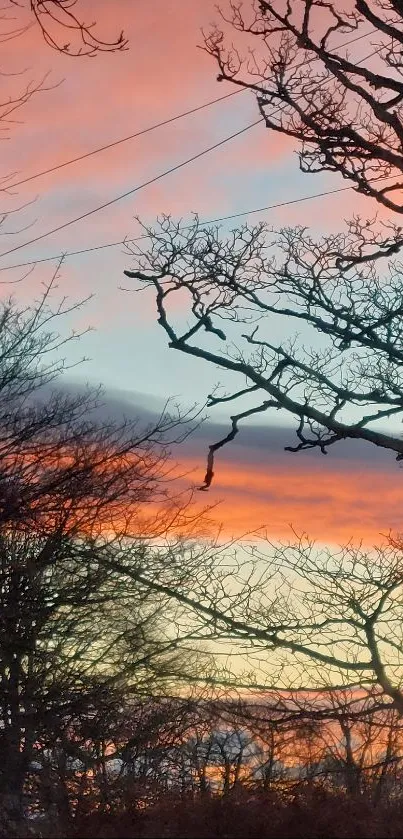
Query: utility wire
x=146, y=183
x=135, y=189
x=188, y=226
x=123, y=139
x=150, y=128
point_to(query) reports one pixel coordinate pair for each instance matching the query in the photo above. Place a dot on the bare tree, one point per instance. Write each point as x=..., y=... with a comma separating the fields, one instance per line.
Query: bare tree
x=362, y=750
x=74, y=487
x=345, y=114
x=60, y=464
x=346, y=738
x=341, y=378
x=217, y=754
x=75, y=641
x=305, y=617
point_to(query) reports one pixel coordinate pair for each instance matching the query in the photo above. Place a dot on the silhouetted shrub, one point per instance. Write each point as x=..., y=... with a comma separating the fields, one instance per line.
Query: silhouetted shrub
x=309, y=813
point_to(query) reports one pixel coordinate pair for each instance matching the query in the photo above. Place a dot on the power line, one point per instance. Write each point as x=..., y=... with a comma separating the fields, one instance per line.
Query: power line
x=134, y=189
x=146, y=183
x=188, y=226
x=124, y=139
x=150, y=128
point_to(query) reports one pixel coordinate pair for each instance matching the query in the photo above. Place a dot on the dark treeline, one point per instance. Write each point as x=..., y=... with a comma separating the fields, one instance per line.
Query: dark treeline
x=175, y=767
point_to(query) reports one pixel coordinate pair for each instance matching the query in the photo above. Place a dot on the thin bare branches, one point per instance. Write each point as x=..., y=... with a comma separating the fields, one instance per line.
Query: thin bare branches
x=64, y=31
x=346, y=113
x=242, y=288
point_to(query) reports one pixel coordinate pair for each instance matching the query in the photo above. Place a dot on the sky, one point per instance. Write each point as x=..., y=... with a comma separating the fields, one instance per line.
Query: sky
x=261, y=491
x=92, y=102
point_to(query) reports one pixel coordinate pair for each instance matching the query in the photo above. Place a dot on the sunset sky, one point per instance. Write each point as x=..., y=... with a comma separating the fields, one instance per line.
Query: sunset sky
x=99, y=100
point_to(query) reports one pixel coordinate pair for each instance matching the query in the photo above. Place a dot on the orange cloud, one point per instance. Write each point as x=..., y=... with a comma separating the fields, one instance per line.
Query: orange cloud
x=330, y=504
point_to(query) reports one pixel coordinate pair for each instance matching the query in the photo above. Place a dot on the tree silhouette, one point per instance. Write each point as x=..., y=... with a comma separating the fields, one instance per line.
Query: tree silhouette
x=346, y=112
x=340, y=378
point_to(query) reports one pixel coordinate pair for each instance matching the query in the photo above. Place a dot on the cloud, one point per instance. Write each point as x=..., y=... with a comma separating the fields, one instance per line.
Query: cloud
x=258, y=485
x=331, y=498
x=162, y=73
